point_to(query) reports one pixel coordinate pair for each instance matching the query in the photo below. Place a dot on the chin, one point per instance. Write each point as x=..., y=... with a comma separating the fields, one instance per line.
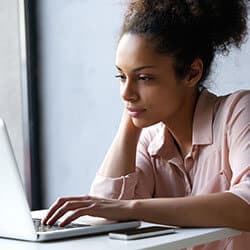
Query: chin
x=139, y=123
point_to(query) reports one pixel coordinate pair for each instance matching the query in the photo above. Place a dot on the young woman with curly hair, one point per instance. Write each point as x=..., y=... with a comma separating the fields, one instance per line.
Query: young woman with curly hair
x=181, y=155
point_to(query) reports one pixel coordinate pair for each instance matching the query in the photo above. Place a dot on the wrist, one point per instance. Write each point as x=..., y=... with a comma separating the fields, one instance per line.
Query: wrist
x=127, y=125
x=134, y=209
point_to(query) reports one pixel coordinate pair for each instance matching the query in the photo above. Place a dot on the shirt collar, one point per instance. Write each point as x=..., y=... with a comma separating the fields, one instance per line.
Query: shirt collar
x=203, y=119
x=163, y=144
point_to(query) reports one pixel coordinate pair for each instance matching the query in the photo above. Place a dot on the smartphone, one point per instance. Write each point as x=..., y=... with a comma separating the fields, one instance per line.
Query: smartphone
x=139, y=233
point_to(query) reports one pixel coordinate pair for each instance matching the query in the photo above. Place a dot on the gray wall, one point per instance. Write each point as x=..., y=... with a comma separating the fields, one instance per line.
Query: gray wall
x=10, y=76
x=80, y=97
x=79, y=93
x=232, y=72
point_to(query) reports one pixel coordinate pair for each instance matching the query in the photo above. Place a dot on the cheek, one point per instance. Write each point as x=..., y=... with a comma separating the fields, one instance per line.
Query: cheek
x=166, y=102
x=163, y=98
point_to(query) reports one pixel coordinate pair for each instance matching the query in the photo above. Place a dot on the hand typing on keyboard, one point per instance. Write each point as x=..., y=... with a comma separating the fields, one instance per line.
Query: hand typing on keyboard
x=40, y=227
x=111, y=209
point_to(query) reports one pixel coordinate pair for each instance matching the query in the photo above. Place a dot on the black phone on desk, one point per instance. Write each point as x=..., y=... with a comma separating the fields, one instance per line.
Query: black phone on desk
x=141, y=232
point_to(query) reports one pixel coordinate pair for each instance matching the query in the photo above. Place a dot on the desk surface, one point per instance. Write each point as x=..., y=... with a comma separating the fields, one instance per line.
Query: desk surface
x=181, y=239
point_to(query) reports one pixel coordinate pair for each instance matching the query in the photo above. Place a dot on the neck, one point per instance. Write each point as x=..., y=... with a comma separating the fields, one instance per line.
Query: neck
x=181, y=126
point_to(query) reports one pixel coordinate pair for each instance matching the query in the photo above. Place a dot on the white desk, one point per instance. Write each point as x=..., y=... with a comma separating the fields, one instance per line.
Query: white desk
x=181, y=239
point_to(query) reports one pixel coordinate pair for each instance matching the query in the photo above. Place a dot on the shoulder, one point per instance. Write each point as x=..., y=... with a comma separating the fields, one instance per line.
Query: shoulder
x=240, y=97
x=232, y=113
x=233, y=104
x=236, y=98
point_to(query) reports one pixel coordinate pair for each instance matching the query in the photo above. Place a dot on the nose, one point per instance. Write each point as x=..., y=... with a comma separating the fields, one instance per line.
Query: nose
x=128, y=91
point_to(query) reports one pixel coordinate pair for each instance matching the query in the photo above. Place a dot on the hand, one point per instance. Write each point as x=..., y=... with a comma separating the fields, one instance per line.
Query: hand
x=127, y=123
x=88, y=205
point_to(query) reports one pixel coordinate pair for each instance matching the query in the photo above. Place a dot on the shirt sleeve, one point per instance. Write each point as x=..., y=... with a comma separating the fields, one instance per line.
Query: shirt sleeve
x=139, y=184
x=238, y=134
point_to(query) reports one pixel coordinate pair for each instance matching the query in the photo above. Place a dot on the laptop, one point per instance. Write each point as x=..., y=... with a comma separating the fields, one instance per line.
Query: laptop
x=16, y=218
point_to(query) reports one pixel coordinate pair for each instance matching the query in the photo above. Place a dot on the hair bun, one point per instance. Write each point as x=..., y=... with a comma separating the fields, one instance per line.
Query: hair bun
x=224, y=22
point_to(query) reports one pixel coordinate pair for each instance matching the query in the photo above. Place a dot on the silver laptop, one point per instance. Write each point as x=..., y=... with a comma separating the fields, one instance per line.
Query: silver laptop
x=15, y=216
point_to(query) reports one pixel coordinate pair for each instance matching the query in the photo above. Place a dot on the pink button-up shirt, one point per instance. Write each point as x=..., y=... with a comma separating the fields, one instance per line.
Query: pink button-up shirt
x=218, y=162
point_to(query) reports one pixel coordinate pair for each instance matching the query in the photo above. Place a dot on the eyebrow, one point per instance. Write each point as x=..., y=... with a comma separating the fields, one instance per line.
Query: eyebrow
x=139, y=68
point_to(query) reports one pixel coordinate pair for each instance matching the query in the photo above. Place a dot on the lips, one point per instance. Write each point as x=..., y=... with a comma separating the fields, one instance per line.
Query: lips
x=135, y=112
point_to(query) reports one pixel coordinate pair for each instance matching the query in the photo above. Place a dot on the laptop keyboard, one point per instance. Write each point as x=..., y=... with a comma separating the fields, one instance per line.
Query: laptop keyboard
x=46, y=228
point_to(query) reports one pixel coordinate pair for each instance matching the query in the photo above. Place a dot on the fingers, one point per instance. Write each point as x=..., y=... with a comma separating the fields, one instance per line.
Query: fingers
x=76, y=214
x=63, y=205
x=68, y=206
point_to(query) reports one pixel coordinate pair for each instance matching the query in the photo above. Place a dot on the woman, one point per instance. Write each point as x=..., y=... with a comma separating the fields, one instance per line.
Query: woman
x=181, y=155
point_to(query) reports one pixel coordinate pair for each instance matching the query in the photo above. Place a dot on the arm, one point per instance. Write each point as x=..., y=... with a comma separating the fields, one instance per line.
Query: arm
x=220, y=209
x=120, y=159
x=127, y=170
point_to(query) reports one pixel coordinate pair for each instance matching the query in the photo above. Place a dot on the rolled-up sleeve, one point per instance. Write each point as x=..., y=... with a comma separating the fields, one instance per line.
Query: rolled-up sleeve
x=139, y=184
x=116, y=188
x=239, y=147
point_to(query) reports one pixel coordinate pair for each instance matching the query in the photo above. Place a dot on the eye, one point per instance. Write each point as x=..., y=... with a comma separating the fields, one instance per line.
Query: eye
x=145, y=78
x=121, y=77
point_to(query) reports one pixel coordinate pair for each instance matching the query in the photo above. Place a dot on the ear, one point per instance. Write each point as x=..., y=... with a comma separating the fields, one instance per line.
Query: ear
x=195, y=73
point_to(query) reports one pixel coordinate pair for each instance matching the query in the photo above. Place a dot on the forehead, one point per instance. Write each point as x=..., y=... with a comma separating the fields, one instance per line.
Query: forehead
x=136, y=51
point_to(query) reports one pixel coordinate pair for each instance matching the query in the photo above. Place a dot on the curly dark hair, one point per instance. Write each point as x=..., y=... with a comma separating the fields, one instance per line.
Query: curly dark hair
x=189, y=29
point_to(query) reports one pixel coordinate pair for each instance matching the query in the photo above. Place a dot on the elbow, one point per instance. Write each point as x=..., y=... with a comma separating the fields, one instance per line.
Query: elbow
x=240, y=218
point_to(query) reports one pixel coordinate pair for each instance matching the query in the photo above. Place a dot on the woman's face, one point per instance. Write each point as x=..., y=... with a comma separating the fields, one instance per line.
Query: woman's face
x=149, y=87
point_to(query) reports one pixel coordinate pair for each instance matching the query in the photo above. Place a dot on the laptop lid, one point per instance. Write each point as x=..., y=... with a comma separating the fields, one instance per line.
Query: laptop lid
x=15, y=218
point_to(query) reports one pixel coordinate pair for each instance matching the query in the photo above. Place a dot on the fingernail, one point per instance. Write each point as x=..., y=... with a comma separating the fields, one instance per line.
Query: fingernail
x=50, y=223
